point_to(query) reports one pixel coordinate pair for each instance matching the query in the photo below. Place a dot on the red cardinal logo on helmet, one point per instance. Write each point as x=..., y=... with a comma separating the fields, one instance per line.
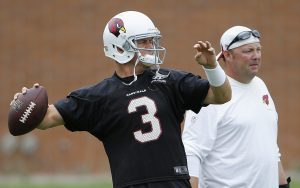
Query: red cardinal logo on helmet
x=116, y=26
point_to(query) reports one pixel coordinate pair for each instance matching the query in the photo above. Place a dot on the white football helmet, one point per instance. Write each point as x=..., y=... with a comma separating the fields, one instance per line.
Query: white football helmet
x=122, y=32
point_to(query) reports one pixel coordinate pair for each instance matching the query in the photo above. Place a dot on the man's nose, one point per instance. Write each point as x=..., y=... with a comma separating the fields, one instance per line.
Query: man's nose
x=256, y=54
x=149, y=43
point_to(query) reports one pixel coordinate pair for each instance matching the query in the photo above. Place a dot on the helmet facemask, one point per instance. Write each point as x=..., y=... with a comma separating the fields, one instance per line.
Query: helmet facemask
x=148, y=56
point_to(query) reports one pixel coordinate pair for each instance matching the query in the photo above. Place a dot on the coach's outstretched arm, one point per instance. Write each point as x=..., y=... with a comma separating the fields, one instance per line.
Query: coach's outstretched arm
x=220, y=90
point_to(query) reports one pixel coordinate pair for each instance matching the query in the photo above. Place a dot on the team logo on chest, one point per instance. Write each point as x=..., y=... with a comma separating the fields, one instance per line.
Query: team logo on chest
x=265, y=99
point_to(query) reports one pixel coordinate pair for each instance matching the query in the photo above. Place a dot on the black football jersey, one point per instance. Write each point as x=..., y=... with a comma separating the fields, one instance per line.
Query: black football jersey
x=139, y=124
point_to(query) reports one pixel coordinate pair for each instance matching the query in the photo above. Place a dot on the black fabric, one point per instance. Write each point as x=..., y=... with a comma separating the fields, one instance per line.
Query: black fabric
x=164, y=184
x=139, y=124
x=284, y=186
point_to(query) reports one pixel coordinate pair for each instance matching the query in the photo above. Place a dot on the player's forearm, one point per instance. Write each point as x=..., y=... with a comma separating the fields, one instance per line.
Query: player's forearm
x=220, y=89
x=222, y=94
x=219, y=95
x=51, y=119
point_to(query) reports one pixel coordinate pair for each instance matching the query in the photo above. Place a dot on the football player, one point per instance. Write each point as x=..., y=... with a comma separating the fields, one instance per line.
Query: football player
x=137, y=112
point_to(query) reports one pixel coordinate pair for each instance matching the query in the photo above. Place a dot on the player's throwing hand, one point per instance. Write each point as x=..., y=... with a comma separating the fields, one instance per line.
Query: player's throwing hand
x=205, y=54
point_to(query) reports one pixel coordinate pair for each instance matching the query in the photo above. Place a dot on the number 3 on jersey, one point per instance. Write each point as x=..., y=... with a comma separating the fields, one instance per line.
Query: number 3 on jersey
x=146, y=118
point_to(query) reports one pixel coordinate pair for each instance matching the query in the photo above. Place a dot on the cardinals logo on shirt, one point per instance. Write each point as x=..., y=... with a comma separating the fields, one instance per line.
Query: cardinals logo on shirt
x=116, y=26
x=265, y=99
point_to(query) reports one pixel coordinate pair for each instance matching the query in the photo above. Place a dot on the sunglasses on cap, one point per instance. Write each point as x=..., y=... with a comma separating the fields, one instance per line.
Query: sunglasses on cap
x=243, y=36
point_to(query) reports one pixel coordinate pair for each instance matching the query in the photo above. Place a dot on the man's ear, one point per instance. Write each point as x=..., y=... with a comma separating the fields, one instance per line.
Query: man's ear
x=226, y=55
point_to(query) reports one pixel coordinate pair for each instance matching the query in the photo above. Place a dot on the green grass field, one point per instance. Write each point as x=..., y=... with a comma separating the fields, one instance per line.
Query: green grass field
x=295, y=185
x=79, y=185
x=56, y=185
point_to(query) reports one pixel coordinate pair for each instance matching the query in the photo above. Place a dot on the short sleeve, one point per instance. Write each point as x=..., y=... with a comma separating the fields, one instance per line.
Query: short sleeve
x=200, y=132
x=76, y=112
x=193, y=165
x=194, y=91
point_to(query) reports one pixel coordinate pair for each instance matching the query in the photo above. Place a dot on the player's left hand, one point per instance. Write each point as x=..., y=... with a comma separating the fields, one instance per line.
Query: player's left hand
x=24, y=90
x=205, y=55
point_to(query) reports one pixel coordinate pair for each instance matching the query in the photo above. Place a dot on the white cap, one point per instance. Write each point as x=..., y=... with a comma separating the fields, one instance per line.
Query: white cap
x=229, y=35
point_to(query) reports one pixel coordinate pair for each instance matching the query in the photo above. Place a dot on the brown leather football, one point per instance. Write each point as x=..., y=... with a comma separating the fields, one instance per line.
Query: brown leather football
x=27, y=111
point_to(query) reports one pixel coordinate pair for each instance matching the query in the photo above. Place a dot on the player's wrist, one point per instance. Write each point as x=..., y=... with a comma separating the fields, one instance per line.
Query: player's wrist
x=210, y=66
x=216, y=76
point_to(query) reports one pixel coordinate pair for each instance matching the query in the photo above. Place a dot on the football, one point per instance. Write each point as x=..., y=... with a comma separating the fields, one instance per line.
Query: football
x=27, y=111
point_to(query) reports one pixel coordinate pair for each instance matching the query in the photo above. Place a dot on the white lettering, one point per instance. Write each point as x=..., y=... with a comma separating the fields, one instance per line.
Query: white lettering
x=136, y=92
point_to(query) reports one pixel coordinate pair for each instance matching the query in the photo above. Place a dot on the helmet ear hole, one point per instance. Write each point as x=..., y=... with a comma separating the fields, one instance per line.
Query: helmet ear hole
x=120, y=50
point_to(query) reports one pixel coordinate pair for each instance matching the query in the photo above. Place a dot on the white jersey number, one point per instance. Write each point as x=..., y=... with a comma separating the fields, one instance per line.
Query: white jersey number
x=146, y=118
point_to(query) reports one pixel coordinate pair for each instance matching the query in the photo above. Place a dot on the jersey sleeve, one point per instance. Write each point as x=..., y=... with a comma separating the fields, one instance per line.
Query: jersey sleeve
x=194, y=91
x=76, y=112
x=273, y=107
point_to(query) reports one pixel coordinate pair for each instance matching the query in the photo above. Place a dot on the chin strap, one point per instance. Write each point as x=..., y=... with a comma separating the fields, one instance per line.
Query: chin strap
x=134, y=74
x=157, y=70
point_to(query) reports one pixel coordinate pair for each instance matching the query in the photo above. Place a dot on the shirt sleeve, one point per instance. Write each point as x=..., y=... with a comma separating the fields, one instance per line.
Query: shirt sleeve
x=272, y=104
x=193, y=165
x=76, y=112
x=200, y=132
x=194, y=90
x=195, y=170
